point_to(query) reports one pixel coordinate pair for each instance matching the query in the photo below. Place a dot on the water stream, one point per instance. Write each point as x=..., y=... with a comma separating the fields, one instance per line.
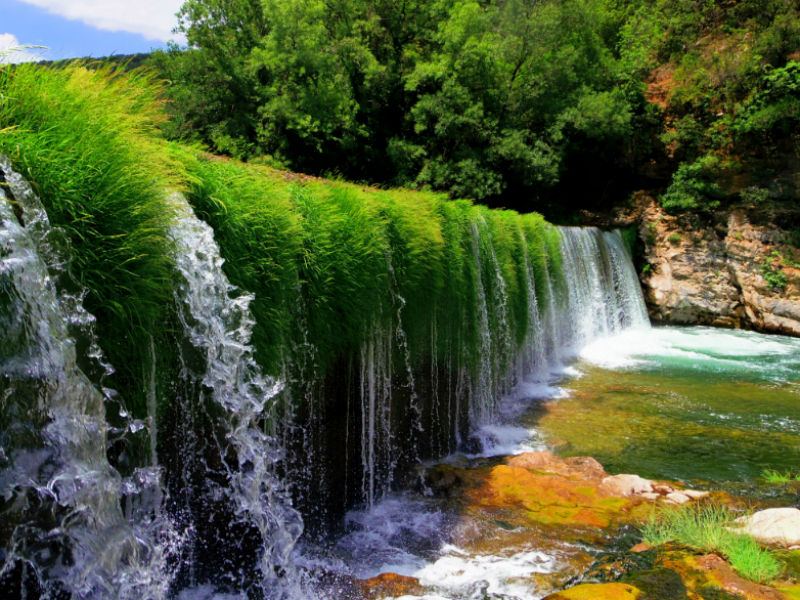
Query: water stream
x=72, y=524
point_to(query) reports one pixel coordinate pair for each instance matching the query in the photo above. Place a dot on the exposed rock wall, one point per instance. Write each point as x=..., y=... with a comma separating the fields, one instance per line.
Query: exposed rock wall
x=737, y=269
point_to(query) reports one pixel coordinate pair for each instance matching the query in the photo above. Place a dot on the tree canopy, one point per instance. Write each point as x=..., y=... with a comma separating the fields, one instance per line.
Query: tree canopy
x=506, y=101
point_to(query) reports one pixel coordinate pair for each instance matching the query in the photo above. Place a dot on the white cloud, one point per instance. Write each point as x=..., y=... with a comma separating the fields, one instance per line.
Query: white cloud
x=154, y=19
x=11, y=51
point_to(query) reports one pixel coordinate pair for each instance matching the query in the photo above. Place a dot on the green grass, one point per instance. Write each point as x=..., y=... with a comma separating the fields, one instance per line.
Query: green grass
x=87, y=140
x=328, y=262
x=706, y=528
x=775, y=477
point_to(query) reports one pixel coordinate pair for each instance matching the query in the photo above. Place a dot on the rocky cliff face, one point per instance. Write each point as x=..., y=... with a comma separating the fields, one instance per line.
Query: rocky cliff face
x=740, y=268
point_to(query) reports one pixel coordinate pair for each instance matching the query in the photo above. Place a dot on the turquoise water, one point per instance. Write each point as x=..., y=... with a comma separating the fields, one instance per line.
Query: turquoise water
x=684, y=404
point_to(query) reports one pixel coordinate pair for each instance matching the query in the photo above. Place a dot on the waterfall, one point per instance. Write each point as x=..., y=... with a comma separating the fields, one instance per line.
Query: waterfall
x=64, y=530
x=603, y=296
x=217, y=321
x=194, y=493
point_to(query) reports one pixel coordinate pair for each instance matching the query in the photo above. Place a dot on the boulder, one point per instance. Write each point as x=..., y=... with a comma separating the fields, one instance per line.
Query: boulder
x=776, y=526
x=584, y=467
x=627, y=485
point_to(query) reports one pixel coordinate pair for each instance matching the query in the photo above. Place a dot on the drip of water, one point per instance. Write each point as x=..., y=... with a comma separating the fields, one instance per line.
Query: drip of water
x=482, y=399
x=532, y=363
x=64, y=529
x=378, y=451
x=218, y=323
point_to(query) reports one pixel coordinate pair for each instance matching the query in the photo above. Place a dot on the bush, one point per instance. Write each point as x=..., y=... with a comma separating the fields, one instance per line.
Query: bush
x=755, y=195
x=693, y=186
x=772, y=271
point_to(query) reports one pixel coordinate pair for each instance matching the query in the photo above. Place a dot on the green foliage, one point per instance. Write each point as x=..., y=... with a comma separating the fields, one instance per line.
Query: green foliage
x=693, y=186
x=86, y=139
x=707, y=529
x=772, y=271
x=491, y=100
x=674, y=238
x=468, y=97
x=774, y=477
x=755, y=195
x=775, y=106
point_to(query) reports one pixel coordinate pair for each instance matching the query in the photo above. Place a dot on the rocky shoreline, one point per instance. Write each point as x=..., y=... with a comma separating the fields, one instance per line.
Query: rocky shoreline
x=572, y=504
x=738, y=267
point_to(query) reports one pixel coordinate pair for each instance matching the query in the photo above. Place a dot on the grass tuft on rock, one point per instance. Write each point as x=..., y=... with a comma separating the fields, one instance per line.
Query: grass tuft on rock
x=706, y=528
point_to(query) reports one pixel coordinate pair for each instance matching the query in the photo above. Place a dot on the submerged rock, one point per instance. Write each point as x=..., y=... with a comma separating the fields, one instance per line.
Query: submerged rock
x=390, y=585
x=777, y=526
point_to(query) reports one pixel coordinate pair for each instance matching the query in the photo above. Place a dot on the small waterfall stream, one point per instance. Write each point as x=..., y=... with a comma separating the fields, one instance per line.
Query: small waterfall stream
x=218, y=323
x=71, y=523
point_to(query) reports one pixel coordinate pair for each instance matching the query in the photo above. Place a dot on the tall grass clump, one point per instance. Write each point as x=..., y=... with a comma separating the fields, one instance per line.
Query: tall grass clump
x=87, y=141
x=775, y=477
x=707, y=528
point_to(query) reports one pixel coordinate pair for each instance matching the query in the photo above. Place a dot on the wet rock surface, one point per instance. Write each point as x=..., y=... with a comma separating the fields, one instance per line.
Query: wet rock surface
x=390, y=585
x=737, y=269
x=572, y=510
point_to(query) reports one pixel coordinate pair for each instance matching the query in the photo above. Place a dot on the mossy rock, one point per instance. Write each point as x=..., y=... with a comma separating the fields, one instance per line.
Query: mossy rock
x=599, y=591
x=547, y=499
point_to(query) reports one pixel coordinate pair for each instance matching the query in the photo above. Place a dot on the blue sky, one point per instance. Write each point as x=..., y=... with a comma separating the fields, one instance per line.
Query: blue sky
x=78, y=28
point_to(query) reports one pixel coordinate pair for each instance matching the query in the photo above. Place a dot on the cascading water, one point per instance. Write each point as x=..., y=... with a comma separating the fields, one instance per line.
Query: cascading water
x=604, y=296
x=73, y=522
x=64, y=531
x=218, y=324
x=590, y=293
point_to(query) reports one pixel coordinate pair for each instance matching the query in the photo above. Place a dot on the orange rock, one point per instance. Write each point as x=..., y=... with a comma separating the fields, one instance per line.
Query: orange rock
x=584, y=467
x=546, y=498
x=390, y=584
